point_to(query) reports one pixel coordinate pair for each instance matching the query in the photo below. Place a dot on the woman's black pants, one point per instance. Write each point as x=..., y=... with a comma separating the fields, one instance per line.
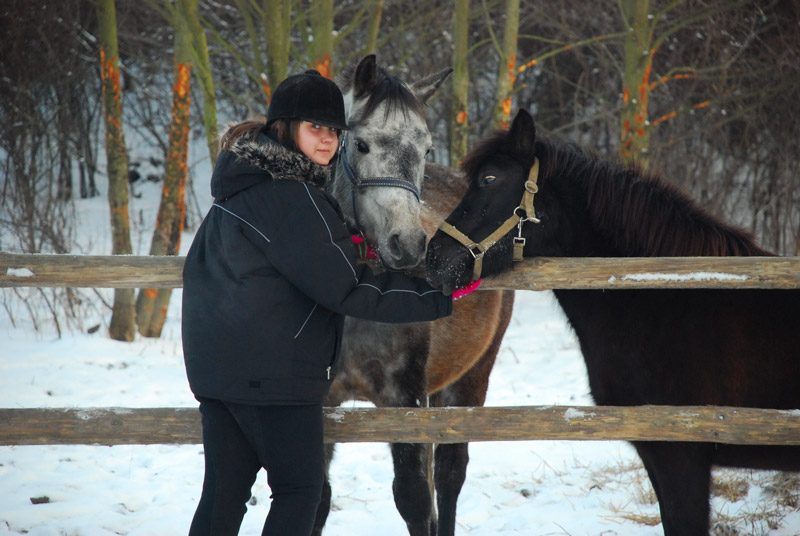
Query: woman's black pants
x=240, y=439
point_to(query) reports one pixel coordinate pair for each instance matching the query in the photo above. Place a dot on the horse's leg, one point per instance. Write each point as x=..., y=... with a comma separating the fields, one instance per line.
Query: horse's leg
x=450, y=472
x=681, y=476
x=406, y=387
x=324, y=507
x=450, y=467
x=412, y=495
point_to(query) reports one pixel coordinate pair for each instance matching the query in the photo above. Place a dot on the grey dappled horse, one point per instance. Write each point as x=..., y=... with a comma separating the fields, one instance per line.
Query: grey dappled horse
x=381, y=185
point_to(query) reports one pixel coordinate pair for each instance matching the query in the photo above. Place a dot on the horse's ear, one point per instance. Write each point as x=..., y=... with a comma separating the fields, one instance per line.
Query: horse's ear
x=366, y=75
x=423, y=89
x=522, y=135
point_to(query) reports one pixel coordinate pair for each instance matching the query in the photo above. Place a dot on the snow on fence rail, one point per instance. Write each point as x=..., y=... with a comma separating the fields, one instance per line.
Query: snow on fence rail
x=107, y=426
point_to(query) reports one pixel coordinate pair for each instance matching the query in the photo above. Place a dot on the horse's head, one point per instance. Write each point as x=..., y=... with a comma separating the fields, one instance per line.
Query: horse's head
x=497, y=169
x=378, y=180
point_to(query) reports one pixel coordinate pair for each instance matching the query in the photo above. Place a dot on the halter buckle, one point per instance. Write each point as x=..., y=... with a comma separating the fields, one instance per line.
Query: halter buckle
x=472, y=247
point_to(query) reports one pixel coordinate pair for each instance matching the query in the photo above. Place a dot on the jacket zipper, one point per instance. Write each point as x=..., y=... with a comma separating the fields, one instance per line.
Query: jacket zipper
x=328, y=370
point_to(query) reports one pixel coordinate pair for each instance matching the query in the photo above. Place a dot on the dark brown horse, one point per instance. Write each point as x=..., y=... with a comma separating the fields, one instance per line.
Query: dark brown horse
x=381, y=172
x=672, y=347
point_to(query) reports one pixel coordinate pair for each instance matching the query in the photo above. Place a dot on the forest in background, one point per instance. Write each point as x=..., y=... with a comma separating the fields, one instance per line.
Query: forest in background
x=706, y=93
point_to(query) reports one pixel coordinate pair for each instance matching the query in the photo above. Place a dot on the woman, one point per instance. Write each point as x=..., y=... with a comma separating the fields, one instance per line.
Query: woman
x=268, y=280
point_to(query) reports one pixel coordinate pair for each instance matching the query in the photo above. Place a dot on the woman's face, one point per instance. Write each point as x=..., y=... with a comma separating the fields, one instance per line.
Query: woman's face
x=317, y=142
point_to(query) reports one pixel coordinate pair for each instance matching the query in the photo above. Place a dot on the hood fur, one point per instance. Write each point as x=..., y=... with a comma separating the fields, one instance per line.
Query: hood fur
x=246, y=162
x=280, y=162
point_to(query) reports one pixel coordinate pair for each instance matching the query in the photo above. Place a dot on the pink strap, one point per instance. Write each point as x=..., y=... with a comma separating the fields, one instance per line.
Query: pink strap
x=461, y=292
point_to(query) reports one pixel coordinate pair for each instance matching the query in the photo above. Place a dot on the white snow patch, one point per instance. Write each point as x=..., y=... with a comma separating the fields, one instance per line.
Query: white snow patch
x=573, y=414
x=694, y=276
x=19, y=272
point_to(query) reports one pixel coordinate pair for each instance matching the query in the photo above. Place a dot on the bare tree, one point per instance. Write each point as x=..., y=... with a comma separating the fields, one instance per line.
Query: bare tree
x=123, y=312
x=459, y=133
x=151, y=304
x=320, y=47
x=508, y=66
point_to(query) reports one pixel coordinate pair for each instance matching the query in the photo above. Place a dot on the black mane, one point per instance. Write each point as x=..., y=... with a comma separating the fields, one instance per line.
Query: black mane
x=642, y=213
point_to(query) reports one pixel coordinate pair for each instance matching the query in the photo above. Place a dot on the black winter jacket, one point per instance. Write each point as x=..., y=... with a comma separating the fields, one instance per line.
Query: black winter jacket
x=269, y=277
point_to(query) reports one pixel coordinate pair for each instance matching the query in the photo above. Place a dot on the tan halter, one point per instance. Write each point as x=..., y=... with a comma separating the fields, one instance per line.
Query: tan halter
x=478, y=249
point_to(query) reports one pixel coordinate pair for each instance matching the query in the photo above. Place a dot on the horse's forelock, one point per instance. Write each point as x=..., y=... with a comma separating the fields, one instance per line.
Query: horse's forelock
x=493, y=146
x=397, y=97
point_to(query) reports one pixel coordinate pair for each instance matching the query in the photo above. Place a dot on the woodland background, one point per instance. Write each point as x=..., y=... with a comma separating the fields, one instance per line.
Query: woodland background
x=706, y=93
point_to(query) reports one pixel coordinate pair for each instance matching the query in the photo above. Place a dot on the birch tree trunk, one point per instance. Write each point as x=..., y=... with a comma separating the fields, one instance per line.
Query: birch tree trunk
x=121, y=327
x=152, y=304
x=508, y=67
x=459, y=135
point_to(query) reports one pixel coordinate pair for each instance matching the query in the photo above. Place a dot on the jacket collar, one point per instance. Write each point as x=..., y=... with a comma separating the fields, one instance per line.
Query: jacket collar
x=280, y=162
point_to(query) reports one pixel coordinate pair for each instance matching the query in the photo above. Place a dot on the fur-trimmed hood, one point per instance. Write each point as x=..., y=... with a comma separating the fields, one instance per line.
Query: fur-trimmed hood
x=244, y=164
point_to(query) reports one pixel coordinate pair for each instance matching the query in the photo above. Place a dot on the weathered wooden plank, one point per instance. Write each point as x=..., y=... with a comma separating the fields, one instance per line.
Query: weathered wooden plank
x=92, y=271
x=542, y=273
x=122, y=426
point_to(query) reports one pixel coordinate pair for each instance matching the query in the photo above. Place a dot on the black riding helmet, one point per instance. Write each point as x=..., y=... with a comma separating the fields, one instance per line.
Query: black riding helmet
x=311, y=97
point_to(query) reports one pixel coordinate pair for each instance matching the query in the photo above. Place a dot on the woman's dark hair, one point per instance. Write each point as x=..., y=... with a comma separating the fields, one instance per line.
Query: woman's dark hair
x=285, y=131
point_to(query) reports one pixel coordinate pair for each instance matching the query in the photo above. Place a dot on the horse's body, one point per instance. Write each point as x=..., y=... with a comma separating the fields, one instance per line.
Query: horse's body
x=674, y=347
x=394, y=365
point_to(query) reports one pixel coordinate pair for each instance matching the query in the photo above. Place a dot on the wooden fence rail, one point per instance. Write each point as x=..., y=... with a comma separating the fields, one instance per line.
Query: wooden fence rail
x=542, y=273
x=144, y=426
x=106, y=426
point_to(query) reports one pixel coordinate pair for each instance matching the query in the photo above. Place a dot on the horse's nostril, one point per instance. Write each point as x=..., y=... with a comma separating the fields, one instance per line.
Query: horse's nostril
x=395, y=248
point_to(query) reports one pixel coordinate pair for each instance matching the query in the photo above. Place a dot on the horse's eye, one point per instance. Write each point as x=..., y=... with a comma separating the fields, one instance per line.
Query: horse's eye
x=488, y=179
x=362, y=146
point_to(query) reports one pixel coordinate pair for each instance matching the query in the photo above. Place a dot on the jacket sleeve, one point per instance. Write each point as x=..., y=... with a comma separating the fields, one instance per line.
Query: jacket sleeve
x=311, y=247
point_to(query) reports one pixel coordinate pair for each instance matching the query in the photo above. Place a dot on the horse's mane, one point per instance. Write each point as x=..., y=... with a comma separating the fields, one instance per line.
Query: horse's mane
x=641, y=213
x=389, y=89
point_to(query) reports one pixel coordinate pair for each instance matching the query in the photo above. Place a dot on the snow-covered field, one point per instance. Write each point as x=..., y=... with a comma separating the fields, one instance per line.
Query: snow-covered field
x=532, y=488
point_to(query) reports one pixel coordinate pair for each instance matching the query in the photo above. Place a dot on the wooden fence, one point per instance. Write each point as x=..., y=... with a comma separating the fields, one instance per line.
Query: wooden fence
x=107, y=426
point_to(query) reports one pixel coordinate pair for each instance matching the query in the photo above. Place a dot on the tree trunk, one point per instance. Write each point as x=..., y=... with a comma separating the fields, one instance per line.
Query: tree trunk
x=203, y=73
x=459, y=136
x=320, y=48
x=246, y=10
x=371, y=44
x=123, y=312
x=151, y=304
x=634, y=123
x=508, y=67
x=277, y=22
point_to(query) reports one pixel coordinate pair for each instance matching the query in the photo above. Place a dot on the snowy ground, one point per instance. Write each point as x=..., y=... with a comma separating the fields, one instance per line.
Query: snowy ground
x=532, y=488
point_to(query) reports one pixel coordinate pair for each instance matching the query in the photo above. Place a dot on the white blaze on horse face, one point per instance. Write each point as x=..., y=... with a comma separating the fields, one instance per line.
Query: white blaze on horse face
x=389, y=216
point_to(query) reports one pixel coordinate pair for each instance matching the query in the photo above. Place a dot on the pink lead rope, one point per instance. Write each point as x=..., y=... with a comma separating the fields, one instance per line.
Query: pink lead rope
x=461, y=292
